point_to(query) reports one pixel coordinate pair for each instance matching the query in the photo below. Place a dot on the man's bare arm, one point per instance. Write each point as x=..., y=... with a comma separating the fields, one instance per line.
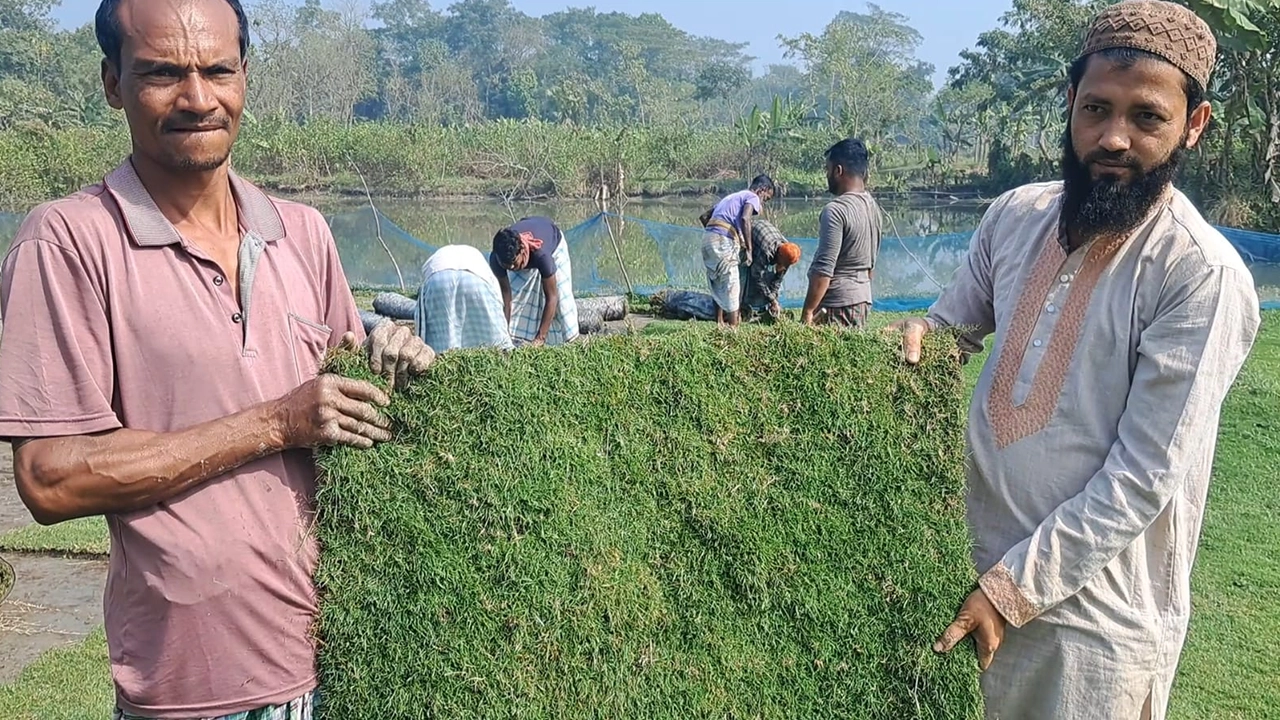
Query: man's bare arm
x=127, y=470
x=818, y=285
x=550, y=306
x=747, y=212
x=505, y=284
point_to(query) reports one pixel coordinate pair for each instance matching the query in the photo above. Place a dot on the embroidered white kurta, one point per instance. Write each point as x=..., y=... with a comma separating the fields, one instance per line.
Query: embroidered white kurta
x=1091, y=438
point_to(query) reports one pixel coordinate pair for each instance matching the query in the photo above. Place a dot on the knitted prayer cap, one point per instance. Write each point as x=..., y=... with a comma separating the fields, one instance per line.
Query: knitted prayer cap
x=1162, y=28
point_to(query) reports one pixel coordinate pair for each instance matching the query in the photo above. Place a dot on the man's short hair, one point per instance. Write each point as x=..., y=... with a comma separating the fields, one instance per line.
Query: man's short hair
x=506, y=246
x=106, y=26
x=1126, y=58
x=764, y=182
x=850, y=155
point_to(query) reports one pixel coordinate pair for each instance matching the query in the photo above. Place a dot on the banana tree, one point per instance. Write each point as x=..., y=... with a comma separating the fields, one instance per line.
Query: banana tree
x=1236, y=22
x=765, y=133
x=1247, y=83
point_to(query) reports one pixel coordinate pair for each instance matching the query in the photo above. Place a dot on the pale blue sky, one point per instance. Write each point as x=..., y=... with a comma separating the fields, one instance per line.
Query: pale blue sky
x=948, y=26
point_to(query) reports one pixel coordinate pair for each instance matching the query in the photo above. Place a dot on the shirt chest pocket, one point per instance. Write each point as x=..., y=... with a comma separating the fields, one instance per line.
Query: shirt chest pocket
x=310, y=342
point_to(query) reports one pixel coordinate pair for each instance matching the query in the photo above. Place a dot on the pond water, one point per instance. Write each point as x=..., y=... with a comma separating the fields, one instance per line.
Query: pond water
x=654, y=244
x=657, y=241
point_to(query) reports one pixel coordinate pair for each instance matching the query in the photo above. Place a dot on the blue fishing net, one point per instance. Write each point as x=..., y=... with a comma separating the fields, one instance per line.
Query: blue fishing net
x=910, y=271
x=909, y=274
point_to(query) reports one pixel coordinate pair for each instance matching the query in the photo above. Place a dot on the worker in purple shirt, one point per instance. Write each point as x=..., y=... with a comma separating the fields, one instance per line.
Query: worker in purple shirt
x=727, y=243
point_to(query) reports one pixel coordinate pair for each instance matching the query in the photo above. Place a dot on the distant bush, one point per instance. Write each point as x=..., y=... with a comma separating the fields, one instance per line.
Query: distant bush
x=516, y=158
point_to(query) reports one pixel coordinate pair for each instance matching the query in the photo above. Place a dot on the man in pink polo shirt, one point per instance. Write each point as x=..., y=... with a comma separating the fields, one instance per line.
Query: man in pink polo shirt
x=162, y=336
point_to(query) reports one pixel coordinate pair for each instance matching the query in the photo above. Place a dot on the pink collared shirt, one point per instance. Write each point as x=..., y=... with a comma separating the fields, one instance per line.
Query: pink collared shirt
x=111, y=319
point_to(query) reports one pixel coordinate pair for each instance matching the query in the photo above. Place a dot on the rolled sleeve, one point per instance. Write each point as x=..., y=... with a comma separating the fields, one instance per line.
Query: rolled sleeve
x=830, y=240
x=55, y=349
x=1188, y=358
x=968, y=299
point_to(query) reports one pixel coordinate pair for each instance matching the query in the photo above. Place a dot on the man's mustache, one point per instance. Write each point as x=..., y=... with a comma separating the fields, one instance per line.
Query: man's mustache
x=195, y=122
x=1110, y=158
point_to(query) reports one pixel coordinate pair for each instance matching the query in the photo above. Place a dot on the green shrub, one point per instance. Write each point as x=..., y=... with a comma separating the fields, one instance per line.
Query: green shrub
x=763, y=523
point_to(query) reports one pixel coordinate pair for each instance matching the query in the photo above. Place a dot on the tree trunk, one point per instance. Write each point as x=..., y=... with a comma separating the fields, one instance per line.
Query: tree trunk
x=1271, y=154
x=1224, y=163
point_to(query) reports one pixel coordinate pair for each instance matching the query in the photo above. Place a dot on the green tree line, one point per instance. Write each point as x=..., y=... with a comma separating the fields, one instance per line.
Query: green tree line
x=479, y=98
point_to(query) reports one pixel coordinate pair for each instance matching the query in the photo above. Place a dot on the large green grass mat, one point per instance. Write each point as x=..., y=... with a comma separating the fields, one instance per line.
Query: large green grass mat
x=762, y=523
x=6, y=579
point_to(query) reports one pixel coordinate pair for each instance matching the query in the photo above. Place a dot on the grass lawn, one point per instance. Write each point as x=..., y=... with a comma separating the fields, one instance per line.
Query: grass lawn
x=84, y=536
x=68, y=683
x=1228, y=670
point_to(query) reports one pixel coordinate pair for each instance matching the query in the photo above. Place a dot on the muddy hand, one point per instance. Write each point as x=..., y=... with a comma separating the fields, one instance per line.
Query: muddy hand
x=397, y=353
x=333, y=410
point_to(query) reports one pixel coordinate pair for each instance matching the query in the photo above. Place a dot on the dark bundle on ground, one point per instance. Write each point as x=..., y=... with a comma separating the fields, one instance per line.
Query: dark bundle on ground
x=589, y=321
x=610, y=308
x=370, y=320
x=395, y=305
x=765, y=523
x=683, y=305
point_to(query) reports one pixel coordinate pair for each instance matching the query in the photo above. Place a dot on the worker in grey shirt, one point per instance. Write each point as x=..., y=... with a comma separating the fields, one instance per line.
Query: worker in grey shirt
x=848, y=242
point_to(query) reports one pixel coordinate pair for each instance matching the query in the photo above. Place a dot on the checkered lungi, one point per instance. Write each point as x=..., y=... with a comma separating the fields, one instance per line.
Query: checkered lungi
x=458, y=309
x=850, y=316
x=720, y=258
x=303, y=708
x=527, y=301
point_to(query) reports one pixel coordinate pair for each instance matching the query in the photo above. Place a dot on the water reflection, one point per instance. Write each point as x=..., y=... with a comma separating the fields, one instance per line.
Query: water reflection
x=658, y=242
x=474, y=223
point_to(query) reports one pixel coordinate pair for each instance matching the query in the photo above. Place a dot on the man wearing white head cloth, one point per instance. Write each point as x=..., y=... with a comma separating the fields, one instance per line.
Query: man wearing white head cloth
x=460, y=302
x=1121, y=318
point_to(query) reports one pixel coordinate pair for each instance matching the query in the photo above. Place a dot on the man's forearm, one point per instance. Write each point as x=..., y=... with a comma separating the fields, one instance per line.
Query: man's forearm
x=818, y=285
x=549, y=310
x=127, y=470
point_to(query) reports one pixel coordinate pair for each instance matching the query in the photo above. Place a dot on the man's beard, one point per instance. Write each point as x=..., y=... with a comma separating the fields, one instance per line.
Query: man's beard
x=204, y=163
x=1111, y=206
x=831, y=185
x=198, y=159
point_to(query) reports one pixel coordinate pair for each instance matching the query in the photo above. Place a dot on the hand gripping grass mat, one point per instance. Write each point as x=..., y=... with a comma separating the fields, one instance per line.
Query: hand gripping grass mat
x=765, y=523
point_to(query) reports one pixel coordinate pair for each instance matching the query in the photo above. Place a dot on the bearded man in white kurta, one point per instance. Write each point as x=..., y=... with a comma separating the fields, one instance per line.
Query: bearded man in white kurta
x=1121, y=318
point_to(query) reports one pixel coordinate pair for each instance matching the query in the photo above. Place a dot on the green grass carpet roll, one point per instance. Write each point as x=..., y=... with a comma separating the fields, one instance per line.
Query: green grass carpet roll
x=765, y=523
